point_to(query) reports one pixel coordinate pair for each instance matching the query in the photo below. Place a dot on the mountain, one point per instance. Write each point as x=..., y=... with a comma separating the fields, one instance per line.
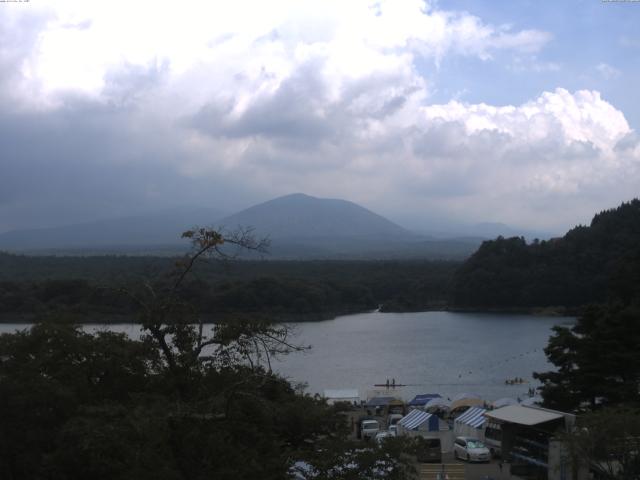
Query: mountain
x=305, y=227
x=299, y=216
x=589, y=264
x=299, y=227
x=119, y=234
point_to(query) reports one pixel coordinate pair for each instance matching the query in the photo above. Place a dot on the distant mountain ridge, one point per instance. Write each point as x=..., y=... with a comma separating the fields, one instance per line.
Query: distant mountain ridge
x=299, y=226
x=158, y=229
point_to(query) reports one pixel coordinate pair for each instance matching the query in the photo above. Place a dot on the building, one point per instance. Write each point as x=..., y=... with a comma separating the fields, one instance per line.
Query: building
x=530, y=441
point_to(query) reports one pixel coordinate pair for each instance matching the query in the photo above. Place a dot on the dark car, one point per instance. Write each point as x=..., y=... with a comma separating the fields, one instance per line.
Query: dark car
x=428, y=450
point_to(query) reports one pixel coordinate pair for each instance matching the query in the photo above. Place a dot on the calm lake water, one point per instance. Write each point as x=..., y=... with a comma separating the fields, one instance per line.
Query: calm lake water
x=431, y=352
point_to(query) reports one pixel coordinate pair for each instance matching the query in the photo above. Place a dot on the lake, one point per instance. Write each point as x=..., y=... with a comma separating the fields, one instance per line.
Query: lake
x=431, y=352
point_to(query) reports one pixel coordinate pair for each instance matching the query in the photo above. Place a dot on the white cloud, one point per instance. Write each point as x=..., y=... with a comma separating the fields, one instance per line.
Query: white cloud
x=607, y=71
x=83, y=42
x=326, y=98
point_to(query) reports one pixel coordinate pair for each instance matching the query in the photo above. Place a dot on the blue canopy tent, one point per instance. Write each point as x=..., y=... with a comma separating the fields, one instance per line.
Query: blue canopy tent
x=423, y=399
x=379, y=402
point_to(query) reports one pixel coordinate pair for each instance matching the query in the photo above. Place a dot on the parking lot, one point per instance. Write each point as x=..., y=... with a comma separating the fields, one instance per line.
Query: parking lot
x=450, y=468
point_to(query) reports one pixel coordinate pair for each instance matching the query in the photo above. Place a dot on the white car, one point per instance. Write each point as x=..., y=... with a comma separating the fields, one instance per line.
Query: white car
x=369, y=428
x=393, y=419
x=471, y=449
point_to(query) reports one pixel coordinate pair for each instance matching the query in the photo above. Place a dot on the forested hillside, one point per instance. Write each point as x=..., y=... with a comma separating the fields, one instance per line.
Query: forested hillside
x=588, y=265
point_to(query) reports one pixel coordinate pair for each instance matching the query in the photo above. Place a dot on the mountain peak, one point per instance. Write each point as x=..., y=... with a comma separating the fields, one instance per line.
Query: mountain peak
x=298, y=215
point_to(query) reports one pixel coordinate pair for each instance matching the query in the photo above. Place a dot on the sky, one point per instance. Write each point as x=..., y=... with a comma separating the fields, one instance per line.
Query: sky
x=521, y=112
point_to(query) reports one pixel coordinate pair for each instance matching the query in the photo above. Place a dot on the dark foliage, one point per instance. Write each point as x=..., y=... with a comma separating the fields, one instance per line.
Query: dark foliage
x=75, y=405
x=180, y=403
x=608, y=442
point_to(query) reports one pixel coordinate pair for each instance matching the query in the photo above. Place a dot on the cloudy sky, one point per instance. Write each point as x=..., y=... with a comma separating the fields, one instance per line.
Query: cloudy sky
x=523, y=112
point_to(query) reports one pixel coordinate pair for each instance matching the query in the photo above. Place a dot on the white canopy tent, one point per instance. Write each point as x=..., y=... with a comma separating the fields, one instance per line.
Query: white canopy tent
x=436, y=404
x=466, y=400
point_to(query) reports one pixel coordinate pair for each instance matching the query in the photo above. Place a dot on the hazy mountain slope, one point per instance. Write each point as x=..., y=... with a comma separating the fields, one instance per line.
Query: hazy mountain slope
x=300, y=216
x=299, y=226
x=147, y=230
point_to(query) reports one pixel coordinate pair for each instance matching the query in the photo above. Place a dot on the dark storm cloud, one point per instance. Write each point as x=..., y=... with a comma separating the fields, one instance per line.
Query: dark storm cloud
x=295, y=110
x=299, y=113
x=130, y=83
x=88, y=160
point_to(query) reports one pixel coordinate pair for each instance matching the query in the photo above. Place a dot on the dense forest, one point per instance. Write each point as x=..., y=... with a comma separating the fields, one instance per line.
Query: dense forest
x=587, y=265
x=281, y=290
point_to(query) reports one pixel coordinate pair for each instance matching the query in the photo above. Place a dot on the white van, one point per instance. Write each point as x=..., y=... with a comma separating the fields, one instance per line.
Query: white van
x=369, y=428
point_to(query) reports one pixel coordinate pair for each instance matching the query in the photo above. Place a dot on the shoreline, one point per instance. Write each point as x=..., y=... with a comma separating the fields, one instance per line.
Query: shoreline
x=209, y=318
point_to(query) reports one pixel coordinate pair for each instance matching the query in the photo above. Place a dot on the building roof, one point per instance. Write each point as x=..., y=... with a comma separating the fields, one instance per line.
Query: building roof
x=523, y=415
x=414, y=419
x=341, y=393
x=473, y=417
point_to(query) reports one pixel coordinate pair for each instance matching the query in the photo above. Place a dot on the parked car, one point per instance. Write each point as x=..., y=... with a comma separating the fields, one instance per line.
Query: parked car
x=393, y=430
x=471, y=450
x=369, y=428
x=393, y=419
x=428, y=449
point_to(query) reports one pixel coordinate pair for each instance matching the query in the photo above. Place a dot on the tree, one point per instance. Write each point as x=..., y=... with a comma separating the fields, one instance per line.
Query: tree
x=597, y=360
x=180, y=403
x=608, y=442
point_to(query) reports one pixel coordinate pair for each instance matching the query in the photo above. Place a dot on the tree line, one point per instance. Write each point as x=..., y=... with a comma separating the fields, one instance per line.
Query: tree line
x=282, y=290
